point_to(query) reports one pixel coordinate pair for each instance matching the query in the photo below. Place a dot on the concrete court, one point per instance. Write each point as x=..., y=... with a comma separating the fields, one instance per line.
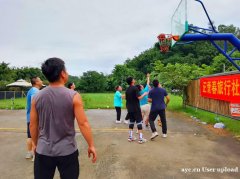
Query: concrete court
x=190, y=151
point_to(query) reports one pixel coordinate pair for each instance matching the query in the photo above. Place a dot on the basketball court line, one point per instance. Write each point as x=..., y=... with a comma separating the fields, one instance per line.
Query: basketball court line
x=103, y=130
x=24, y=130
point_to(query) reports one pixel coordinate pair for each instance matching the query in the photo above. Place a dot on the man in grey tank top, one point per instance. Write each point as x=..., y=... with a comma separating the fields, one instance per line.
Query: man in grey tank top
x=52, y=129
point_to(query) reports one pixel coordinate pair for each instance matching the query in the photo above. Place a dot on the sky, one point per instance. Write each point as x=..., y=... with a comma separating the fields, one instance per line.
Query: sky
x=94, y=34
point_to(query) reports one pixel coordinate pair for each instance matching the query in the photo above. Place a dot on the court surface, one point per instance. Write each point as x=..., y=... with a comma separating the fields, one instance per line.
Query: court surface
x=190, y=151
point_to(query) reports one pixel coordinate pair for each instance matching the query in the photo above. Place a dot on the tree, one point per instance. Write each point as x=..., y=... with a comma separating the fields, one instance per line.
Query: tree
x=221, y=64
x=229, y=29
x=177, y=76
x=93, y=82
x=120, y=74
x=27, y=73
x=75, y=80
x=6, y=73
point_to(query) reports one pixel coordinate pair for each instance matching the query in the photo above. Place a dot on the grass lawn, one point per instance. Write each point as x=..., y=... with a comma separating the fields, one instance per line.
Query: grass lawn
x=18, y=103
x=98, y=100
x=105, y=101
x=205, y=116
x=91, y=101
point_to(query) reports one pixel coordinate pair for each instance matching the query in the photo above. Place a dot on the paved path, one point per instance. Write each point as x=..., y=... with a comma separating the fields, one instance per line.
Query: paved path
x=190, y=151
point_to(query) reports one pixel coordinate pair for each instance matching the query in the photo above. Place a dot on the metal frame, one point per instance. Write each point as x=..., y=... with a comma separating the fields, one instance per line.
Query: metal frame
x=212, y=37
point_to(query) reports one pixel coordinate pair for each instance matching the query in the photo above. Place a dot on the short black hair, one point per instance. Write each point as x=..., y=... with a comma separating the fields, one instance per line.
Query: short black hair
x=69, y=85
x=129, y=80
x=33, y=80
x=52, y=68
x=138, y=87
x=155, y=83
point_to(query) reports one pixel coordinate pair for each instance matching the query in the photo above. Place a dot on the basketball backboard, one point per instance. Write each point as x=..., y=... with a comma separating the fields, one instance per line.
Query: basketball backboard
x=179, y=23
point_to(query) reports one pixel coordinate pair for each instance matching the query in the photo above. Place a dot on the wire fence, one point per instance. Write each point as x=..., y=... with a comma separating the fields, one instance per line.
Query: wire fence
x=13, y=99
x=12, y=94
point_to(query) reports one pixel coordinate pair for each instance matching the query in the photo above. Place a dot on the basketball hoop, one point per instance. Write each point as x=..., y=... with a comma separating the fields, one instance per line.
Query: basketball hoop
x=165, y=42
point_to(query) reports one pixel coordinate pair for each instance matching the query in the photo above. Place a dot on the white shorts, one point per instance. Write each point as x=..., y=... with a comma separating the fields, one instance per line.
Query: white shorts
x=145, y=111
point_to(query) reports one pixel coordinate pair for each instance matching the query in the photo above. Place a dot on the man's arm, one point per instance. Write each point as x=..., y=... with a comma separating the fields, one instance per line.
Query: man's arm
x=34, y=123
x=144, y=94
x=84, y=125
x=167, y=99
x=149, y=100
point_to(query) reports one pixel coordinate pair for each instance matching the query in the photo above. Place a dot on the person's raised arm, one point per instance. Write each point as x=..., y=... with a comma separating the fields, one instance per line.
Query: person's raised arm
x=84, y=125
x=148, y=80
x=34, y=123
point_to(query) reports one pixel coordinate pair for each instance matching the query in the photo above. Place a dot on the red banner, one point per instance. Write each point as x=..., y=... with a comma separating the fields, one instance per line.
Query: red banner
x=225, y=88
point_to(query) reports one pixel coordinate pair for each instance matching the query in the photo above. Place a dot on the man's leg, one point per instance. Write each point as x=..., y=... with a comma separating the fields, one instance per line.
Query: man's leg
x=29, y=143
x=162, y=114
x=68, y=166
x=44, y=166
x=152, y=117
x=127, y=117
x=147, y=114
x=118, y=110
x=131, y=126
x=143, y=110
x=139, y=120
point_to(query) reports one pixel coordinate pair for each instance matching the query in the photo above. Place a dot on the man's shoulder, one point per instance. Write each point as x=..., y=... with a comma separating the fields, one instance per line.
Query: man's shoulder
x=31, y=91
x=117, y=93
x=128, y=89
x=163, y=89
x=134, y=88
x=156, y=90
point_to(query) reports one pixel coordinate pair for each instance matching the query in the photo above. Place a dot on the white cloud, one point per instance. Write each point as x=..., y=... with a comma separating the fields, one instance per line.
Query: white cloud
x=93, y=34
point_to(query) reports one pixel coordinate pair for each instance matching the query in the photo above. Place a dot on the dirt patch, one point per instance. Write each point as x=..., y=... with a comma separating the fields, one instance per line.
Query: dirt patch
x=221, y=132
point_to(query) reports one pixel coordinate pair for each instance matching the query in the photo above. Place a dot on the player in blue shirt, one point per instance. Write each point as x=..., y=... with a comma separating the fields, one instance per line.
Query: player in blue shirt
x=156, y=96
x=118, y=103
x=36, y=85
x=145, y=107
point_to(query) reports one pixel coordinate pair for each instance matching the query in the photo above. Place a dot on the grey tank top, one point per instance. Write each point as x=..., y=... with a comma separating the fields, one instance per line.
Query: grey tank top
x=54, y=106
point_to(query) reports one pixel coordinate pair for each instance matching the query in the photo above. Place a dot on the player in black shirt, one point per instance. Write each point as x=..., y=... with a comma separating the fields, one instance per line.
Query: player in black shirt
x=134, y=111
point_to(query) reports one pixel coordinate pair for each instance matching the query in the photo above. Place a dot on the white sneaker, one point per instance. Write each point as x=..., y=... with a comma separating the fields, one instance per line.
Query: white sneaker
x=130, y=139
x=33, y=158
x=154, y=135
x=118, y=122
x=29, y=155
x=164, y=135
x=142, y=140
x=125, y=121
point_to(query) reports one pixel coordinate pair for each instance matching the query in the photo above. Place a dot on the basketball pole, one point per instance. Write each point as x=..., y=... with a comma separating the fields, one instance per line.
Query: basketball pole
x=212, y=37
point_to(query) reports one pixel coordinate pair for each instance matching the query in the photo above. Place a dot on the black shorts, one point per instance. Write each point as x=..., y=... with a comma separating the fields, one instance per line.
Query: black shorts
x=45, y=166
x=28, y=131
x=135, y=117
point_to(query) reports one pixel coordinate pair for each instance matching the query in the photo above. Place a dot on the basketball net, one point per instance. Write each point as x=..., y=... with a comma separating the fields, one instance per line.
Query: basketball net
x=165, y=42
